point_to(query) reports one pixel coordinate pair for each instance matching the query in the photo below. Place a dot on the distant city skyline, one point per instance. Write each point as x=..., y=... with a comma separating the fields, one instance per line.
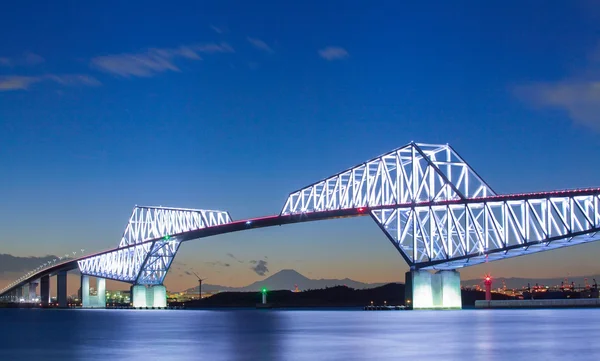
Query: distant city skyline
x=205, y=108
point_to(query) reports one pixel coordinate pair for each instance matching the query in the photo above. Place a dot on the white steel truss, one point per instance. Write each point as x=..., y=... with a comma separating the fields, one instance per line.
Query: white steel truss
x=440, y=214
x=122, y=264
x=148, y=223
x=158, y=261
x=147, y=247
x=430, y=203
x=411, y=174
x=459, y=234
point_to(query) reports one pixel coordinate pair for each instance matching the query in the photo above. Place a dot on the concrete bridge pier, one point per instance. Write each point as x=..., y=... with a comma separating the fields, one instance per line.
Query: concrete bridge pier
x=152, y=296
x=19, y=294
x=425, y=290
x=61, y=289
x=97, y=301
x=25, y=292
x=12, y=296
x=45, y=290
x=32, y=291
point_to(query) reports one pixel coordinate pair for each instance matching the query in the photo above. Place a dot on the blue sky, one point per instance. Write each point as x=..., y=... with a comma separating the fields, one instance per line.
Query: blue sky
x=105, y=105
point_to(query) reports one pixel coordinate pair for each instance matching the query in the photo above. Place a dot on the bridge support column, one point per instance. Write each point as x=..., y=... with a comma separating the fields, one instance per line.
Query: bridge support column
x=98, y=301
x=153, y=296
x=138, y=296
x=61, y=289
x=19, y=294
x=159, y=296
x=45, y=291
x=101, y=286
x=425, y=290
x=33, y=291
x=26, y=293
x=85, y=291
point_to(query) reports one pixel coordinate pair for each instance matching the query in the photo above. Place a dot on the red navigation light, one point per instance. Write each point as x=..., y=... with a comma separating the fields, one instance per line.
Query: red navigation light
x=361, y=209
x=487, y=278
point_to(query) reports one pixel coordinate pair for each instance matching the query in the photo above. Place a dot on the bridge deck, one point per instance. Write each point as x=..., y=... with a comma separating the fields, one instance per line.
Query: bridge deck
x=278, y=220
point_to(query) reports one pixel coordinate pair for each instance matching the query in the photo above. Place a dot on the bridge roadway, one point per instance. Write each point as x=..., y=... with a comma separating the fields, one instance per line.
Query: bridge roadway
x=235, y=226
x=279, y=220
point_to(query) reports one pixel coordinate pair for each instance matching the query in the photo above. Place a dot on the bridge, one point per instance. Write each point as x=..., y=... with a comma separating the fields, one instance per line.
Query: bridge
x=437, y=212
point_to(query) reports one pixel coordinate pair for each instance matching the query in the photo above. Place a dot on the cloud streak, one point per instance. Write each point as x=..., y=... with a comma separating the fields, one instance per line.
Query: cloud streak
x=218, y=263
x=259, y=44
x=32, y=59
x=27, y=59
x=216, y=29
x=579, y=98
x=260, y=267
x=155, y=60
x=234, y=257
x=17, y=82
x=578, y=95
x=331, y=53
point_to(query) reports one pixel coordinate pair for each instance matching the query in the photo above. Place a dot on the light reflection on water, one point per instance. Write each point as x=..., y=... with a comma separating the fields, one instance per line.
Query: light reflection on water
x=544, y=335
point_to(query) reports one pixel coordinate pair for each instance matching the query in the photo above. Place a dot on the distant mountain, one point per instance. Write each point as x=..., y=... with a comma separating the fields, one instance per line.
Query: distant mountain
x=282, y=280
x=287, y=280
x=10, y=263
x=514, y=282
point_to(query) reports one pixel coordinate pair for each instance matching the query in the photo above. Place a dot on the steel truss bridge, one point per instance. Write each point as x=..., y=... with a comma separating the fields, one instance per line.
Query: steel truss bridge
x=430, y=204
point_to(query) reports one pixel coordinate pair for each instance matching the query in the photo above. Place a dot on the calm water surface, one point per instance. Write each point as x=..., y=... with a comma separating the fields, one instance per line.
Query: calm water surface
x=544, y=335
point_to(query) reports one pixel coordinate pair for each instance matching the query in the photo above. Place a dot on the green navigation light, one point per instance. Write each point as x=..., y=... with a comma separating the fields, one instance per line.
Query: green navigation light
x=264, y=290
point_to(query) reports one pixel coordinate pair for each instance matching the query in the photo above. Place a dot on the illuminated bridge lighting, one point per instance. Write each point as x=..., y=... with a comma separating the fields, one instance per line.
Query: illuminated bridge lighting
x=429, y=202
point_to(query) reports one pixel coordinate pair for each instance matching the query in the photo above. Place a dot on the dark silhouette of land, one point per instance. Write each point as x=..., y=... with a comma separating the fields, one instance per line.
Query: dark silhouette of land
x=287, y=279
x=339, y=296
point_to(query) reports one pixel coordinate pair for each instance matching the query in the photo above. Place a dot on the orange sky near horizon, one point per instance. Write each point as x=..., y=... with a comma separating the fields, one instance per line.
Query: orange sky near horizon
x=390, y=267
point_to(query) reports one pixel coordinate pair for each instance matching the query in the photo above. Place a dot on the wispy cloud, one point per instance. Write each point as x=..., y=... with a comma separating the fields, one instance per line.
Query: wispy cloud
x=216, y=29
x=27, y=59
x=32, y=59
x=259, y=44
x=213, y=48
x=17, y=82
x=178, y=263
x=260, y=267
x=578, y=95
x=234, y=257
x=333, y=53
x=74, y=80
x=579, y=98
x=218, y=263
x=155, y=60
